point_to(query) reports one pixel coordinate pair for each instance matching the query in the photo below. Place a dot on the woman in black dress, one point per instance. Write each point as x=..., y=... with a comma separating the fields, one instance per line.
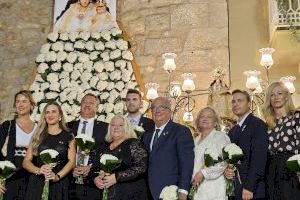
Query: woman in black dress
x=284, y=136
x=128, y=181
x=51, y=133
x=15, y=136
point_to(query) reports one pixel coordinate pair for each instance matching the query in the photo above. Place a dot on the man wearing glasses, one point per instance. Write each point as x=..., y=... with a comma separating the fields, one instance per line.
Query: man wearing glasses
x=171, y=151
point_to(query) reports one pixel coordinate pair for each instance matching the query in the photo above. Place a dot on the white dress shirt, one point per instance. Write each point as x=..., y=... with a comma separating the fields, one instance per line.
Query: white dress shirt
x=241, y=122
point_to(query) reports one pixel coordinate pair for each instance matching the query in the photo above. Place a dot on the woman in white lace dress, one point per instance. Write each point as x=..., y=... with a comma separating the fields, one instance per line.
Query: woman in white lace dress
x=209, y=181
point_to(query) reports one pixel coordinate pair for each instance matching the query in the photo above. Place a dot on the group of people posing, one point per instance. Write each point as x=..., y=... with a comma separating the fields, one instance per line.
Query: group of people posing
x=167, y=154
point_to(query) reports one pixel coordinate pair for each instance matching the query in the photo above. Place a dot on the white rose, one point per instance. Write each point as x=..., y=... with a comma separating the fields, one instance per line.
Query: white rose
x=89, y=45
x=131, y=85
x=52, y=77
x=38, y=96
x=55, y=87
x=74, y=84
x=40, y=58
x=115, y=75
x=99, y=66
x=80, y=97
x=122, y=44
x=79, y=45
x=106, y=35
x=103, y=76
x=119, y=107
x=73, y=36
x=53, y=36
x=101, y=118
x=44, y=86
x=56, y=66
x=110, y=86
x=51, y=95
x=126, y=75
x=64, y=36
x=35, y=86
x=108, y=107
x=83, y=57
x=120, y=85
x=85, y=35
x=110, y=45
x=72, y=96
x=45, y=48
x=72, y=57
x=57, y=46
x=86, y=76
x=94, y=55
x=76, y=108
x=116, y=32
x=79, y=67
x=93, y=82
x=96, y=35
x=127, y=55
x=68, y=67
x=75, y=75
x=61, y=56
x=104, y=95
x=99, y=46
x=64, y=83
x=105, y=56
x=51, y=56
x=70, y=118
x=115, y=54
x=41, y=107
x=100, y=108
x=64, y=74
x=69, y=47
x=42, y=68
x=102, y=85
x=109, y=117
x=123, y=93
x=66, y=107
x=120, y=63
x=109, y=66
x=88, y=65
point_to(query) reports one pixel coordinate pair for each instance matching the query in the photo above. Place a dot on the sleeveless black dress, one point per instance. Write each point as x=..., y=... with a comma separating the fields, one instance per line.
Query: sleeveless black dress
x=57, y=190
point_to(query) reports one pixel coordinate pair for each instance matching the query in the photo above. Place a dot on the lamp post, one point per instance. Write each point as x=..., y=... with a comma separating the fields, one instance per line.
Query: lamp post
x=266, y=59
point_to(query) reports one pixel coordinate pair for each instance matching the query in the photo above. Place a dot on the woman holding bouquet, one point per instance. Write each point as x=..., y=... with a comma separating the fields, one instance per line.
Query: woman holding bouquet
x=209, y=181
x=126, y=182
x=51, y=133
x=284, y=136
x=15, y=136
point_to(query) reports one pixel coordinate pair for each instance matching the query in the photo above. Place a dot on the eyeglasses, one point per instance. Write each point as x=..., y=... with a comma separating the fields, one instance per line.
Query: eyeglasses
x=159, y=108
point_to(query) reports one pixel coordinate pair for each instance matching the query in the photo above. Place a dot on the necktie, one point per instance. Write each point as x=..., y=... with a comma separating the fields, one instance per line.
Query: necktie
x=155, y=139
x=83, y=127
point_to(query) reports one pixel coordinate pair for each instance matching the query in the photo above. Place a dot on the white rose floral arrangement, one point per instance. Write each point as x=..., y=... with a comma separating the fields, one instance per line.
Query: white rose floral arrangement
x=71, y=65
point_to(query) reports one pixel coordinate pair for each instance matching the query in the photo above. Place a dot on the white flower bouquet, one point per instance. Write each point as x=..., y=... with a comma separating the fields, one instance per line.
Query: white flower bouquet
x=139, y=131
x=48, y=157
x=211, y=158
x=7, y=169
x=169, y=193
x=232, y=154
x=108, y=163
x=293, y=164
x=85, y=145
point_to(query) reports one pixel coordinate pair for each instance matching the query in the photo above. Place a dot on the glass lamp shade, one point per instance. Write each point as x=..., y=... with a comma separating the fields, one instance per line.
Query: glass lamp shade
x=266, y=57
x=175, y=90
x=252, y=79
x=188, y=116
x=151, y=90
x=188, y=83
x=288, y=81
x=169, y=64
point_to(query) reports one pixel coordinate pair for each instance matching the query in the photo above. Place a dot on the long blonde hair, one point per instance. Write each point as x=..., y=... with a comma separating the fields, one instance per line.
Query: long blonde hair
x=42, y=127
x=128, y=129
x=268, y=110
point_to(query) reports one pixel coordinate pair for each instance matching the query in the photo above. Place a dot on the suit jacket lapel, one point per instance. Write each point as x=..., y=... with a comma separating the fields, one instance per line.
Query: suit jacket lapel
x=11, y=141
x=75, y=127
x=163, y=136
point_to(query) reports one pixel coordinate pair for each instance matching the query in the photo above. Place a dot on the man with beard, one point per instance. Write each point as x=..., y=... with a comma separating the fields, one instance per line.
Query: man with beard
x=87, y=124
x=134, y=104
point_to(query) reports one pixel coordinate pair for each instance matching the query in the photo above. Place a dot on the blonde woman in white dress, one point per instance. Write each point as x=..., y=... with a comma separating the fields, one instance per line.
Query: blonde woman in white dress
x=210, y=181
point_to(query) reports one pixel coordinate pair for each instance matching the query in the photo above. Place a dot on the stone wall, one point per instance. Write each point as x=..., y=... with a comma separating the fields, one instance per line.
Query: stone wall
x=196, y=30
x=24, y=25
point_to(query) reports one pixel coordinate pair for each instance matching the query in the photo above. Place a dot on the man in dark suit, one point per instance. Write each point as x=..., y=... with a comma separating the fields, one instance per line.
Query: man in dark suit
x=251, y=135
x=171, y=152
x=133, y=104
x=96, y=129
